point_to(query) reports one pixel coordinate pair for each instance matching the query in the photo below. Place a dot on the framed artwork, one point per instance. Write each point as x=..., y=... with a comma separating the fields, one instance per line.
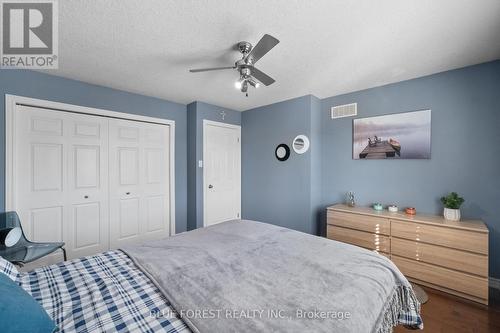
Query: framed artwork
x=395, y=136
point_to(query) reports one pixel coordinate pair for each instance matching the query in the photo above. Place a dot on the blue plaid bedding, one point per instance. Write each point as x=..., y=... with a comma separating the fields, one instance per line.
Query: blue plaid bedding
x=411, y=319
x=102, y=293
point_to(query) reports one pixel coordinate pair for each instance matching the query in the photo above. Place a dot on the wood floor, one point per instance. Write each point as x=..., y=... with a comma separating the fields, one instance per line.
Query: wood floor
x=444, y=313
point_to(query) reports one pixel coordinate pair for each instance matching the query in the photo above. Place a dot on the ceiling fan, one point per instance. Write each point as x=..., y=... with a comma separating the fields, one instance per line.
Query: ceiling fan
x=249, y=75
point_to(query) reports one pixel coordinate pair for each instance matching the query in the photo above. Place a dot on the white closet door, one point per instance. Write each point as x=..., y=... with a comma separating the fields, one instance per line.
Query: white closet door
x=87, y=186
x=139, y=181
x=156, y=180
x=61, y=178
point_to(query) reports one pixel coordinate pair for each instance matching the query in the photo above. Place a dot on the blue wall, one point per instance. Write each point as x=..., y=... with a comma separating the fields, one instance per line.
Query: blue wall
x=273, y=191
x=197, y=112
x=43, y=86
x=465, y=106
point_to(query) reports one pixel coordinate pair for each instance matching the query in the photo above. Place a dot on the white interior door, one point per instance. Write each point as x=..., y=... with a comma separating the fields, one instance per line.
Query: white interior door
x=139, y=181
x=222, y=172
x=61, y=184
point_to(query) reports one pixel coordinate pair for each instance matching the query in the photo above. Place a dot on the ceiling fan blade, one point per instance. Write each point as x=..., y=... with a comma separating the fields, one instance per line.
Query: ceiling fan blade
x=210, y=69
x=264, y=45
x=262, y=77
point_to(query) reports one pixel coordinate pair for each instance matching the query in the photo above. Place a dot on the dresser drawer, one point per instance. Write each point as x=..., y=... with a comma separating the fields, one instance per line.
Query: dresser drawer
x=454, y=238
x=443, y=277
x=367, y=240
x=455, y=259
x=376, y=225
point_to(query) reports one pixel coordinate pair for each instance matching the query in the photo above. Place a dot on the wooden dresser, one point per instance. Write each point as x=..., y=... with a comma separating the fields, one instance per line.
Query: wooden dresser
x=429, y=250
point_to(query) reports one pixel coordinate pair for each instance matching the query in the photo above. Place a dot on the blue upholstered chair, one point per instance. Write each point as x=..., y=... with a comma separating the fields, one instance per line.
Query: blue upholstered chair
x=23, y=251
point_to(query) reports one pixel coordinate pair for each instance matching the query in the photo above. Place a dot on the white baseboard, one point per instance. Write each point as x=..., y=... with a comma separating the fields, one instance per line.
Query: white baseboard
x=494, y=283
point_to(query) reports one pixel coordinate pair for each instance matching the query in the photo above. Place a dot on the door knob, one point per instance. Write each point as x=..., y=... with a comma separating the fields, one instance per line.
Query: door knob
x=210, y=186
x=86, y=197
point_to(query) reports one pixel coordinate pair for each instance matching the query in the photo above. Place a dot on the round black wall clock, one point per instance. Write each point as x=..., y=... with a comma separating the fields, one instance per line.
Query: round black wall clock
x=282, y=152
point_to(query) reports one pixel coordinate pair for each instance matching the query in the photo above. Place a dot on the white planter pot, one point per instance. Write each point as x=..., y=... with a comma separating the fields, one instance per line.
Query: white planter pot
x=452, y=214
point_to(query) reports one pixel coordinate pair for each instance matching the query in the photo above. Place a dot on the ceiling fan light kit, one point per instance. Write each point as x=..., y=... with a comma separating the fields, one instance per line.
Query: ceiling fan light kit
x=249, y=75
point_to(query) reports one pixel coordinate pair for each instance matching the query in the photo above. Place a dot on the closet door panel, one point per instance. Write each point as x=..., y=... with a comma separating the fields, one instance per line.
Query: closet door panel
x=40, y=173
x=88, y=210
x=129, y=218
x=87, y=223
x=139, y=182
x=156, y=181
x=155, y=207
x=47, y=224
x=125, y=186
x=154, y=166
x=128, y=166
x=87, y=166
x=61, y=191
x=46, y=165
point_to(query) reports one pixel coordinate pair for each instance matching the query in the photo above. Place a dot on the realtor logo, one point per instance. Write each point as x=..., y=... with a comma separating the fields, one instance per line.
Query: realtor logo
x=29, y=34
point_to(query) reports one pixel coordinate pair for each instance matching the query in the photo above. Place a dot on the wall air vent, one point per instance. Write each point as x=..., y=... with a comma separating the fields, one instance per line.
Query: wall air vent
x=346, y=110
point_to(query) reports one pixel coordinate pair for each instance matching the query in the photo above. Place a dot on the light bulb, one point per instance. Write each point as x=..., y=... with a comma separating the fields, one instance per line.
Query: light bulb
x=237, y=84
x=257, y=85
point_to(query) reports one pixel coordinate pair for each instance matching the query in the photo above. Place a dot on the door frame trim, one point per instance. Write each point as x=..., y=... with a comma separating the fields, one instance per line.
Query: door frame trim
x=217, y=124
x=11, y=101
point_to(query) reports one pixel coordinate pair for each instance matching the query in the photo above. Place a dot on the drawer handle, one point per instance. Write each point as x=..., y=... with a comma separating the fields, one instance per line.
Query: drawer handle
x=86, y=197
x=128, y=193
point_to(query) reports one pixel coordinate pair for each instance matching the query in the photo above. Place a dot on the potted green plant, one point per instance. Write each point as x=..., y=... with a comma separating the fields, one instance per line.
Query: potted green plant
x=452, y=203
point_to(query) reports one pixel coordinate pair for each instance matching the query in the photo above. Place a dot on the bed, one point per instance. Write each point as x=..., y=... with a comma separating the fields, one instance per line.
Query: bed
x=237, y=276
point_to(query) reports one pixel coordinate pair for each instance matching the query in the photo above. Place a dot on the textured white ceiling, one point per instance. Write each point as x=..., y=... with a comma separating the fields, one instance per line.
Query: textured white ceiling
x=327, y=47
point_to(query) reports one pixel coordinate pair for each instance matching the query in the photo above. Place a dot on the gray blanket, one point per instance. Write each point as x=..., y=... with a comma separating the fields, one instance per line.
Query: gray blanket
x=246, y=276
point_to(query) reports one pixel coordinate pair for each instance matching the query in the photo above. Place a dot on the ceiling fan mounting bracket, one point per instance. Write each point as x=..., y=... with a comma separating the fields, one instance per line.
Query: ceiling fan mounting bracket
x=244, y=47
x=245, y=71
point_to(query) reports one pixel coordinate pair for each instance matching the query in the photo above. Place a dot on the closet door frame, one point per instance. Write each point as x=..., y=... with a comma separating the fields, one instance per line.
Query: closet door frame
x=11, y=103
